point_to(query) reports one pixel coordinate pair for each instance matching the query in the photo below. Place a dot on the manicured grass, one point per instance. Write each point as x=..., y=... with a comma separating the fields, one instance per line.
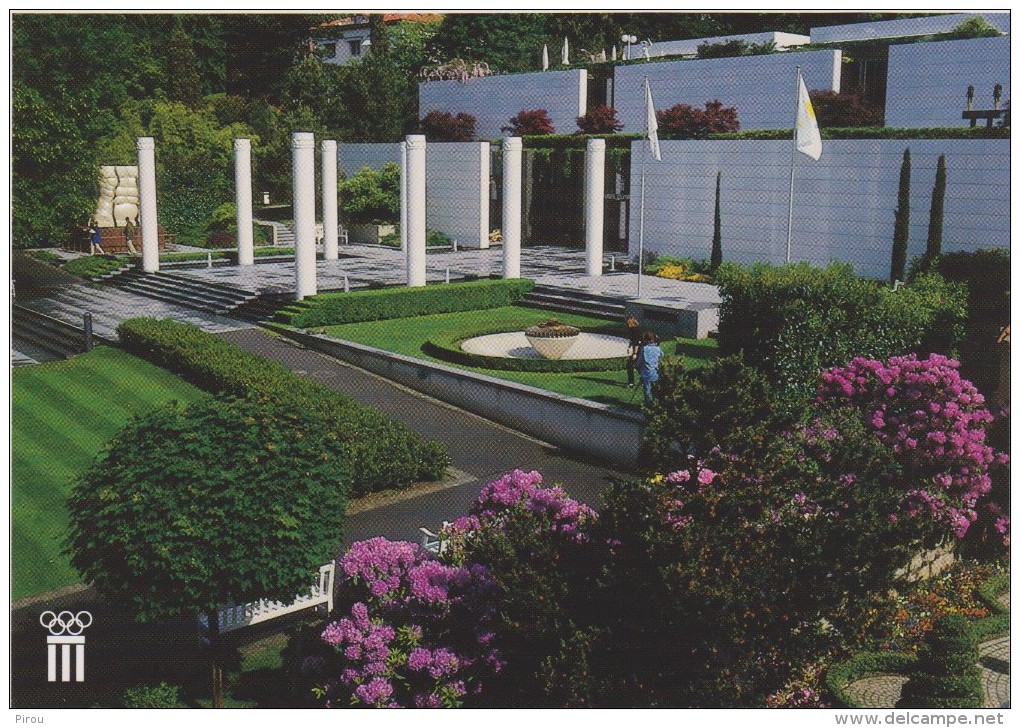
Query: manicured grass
x=407, y=336
x=62, y=414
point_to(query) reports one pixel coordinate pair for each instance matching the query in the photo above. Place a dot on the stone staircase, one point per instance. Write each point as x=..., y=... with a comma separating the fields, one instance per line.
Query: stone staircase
x=261, y=309
x=39, y=337
x=568, y=300
x=218, y=298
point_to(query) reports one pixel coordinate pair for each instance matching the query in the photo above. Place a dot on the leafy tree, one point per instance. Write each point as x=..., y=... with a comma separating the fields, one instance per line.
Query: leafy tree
x=167, y=525
x=936, y=214
x=508, y=42
x=371, y=196
x=901, y=228
x=183, y=81
x=688, y=122
x=600, y=120
x=530, y=122
x=442, y=126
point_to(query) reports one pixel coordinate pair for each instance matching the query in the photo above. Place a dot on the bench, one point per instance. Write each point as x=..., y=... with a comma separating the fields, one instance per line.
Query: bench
x=233, y=617
x=433, y=542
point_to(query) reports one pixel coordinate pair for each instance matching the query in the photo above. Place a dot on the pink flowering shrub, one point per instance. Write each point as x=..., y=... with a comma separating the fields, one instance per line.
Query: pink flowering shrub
x=418, y=633
x=933, y=421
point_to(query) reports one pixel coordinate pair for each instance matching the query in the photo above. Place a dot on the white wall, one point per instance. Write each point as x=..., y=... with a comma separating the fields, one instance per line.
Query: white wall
x=844, y=203
x=762, y=88
x=690, y=47
x=493, y=100
x=457, y=191
x=902, y=28
x=928, y=82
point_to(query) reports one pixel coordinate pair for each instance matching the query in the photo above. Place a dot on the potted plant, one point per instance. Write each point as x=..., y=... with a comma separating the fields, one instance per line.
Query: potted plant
x=551, y=339
x=370, y=201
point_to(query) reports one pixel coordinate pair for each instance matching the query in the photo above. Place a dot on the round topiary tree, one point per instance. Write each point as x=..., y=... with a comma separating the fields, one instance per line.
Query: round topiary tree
x=227, y=500
x=946, y=674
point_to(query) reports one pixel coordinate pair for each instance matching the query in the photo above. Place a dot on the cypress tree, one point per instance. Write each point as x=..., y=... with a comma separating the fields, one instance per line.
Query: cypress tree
x=717, y=229
x=901, y=228
x=938, y=199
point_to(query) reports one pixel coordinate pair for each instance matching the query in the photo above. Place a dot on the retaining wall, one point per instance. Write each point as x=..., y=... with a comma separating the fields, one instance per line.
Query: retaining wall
x=844, y=204
x=457, y=191
x=597, y=430
x=902, y=28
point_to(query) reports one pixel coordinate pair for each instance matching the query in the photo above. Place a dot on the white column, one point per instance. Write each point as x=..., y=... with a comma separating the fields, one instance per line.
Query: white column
x=403, y=196
x=415, y=216
x=484, y=180
x=594, y=204
x=512, y=155
x=147, y=203
x=330, y=244
x=303, y=153
x=242, y=200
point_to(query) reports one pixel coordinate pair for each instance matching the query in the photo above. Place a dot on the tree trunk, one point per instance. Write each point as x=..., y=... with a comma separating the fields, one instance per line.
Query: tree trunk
x=214, y=654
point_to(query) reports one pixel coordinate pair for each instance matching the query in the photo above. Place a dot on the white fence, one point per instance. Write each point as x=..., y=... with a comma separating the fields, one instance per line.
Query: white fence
x=844, y=203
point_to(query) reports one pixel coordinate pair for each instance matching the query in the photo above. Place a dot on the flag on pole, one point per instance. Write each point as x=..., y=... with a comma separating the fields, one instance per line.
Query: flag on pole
x=545, y=57
x=809, y=141
x=651, y=124
x=566, y=52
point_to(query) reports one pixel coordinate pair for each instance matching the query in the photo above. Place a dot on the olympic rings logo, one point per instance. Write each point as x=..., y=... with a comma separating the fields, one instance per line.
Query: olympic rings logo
x=65, y=622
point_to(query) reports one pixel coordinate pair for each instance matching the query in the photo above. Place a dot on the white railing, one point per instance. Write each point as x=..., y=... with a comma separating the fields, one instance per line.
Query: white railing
x=235, y=616
x=433, y=542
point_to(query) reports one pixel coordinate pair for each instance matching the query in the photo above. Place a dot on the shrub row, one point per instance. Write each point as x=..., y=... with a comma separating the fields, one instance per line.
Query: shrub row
x=331, y=309
x=793, y=321
x=382, y=454
x=94, y=266
x=447, y=348
x=864, y=665
x=874, y=132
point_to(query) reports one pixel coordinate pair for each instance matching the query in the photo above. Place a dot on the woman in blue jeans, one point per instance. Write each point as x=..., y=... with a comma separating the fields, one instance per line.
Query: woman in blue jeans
x=648, y=363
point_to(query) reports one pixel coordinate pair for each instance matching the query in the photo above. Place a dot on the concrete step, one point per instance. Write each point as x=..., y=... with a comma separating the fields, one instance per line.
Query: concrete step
x=579, y=302
x=21, y=359
x=47, y=333
x=190, y=292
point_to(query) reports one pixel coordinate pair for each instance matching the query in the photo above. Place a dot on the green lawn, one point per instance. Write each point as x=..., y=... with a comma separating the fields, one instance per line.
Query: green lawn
x=406, y=336
x=62, y=414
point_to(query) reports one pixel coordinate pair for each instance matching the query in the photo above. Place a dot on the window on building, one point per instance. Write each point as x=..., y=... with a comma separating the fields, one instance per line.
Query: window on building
x=355, y=47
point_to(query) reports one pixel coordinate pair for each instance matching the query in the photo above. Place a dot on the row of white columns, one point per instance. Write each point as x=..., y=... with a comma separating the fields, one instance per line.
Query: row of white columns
x=412, y=207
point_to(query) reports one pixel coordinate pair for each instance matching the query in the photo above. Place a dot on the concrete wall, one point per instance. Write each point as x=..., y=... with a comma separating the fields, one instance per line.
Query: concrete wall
x=762, y=88
x=902, y=28
x=844, y=203
x=457, y=191
x=354, y=157
x=493, y=100
x=928, y=82
x=586, y=427
x=690, y=47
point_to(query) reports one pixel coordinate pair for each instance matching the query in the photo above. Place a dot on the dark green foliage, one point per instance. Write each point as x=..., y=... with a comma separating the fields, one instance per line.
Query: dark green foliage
x=507, y=42
x=725, y=404
x=155, y=696
x=794, y=321
x=901, y=228
x=578, y=141
x=876, y=132
x=331, y=309
x=225, y=500
x=865, y=664
x=381, y=454
x=935, y=219
x=94, y=266
x=946, y=674
x=716, y=259
x=183, y=81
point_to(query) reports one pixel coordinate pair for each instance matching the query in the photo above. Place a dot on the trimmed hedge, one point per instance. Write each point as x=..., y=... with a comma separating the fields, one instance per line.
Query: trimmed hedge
x=94, y=266
x=794, y=321
x=946, y=674
x=874, y=132
x=448, y=349
x=382, y=454
x=866, y=664
x=332, y=309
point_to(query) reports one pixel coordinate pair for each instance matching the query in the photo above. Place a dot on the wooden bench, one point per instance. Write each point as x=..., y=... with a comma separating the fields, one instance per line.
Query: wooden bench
x=433, y=542
x=233, y=617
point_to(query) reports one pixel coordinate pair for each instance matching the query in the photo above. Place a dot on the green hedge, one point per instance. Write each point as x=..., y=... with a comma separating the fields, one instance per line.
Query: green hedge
x=448, y=349
x=94, y=266
x=383, y=454
x=793, y=321
x=866, y=664
x=873, y=132
x=332, y=309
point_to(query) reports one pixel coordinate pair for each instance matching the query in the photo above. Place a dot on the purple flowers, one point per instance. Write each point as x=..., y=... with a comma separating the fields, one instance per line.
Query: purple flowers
x=521, y=489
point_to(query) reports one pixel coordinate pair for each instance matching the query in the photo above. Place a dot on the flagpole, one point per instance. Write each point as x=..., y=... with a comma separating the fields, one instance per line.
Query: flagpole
x=793, y=165
x=641, y=225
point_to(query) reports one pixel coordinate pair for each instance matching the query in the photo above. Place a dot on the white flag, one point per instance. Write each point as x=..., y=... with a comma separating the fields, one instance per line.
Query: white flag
x=809, y=141
x=614, y=53
x=566, y=52
x=545, y=57
x=651, y=124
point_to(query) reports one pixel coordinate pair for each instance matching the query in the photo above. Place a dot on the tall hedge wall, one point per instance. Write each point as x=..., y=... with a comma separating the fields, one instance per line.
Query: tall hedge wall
x=331, y=309
x=793, y=321
x=382, y=454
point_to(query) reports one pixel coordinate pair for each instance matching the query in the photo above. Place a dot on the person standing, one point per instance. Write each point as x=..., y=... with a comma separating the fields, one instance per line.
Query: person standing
x=95, y=237
x=648, y=363
x=633, y=347
x=129, y=235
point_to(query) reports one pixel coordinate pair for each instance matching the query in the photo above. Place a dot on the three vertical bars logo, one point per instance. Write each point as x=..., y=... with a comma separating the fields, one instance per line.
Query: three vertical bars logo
x=66, y=632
